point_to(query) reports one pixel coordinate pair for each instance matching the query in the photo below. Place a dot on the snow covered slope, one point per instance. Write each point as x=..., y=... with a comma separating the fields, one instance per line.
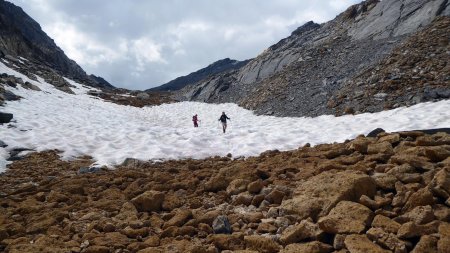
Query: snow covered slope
x=80, y=124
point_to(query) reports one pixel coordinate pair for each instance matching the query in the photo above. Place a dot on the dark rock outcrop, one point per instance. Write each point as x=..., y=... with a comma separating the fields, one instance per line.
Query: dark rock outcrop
x=217, y=67
x=5, y=117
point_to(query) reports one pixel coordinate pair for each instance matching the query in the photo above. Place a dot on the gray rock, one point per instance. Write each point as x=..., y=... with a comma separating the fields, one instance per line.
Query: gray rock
x=375, y=132
x=9, y=96
x=3, y=144
x=89, y=170
x=221, y=225
x=143, y=95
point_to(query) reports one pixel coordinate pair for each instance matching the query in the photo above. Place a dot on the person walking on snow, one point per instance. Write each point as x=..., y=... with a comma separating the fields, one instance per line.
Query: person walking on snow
x=195, y=120
x=223, y=118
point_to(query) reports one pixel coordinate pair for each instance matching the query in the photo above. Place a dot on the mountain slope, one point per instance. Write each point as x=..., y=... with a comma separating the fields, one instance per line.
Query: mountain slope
x=299, y=75
x=21, y=36
x=194, y=77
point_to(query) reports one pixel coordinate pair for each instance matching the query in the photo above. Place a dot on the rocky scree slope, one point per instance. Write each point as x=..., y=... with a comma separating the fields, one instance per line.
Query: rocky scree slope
x=418, y=70
x=388, y=193
x=21, y=36
x=217, y=67
x=299, y=75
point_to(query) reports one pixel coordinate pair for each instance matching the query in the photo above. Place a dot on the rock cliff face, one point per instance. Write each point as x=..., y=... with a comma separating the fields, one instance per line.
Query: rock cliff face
x=301, y=73
x=215, y=68
x=21, y=36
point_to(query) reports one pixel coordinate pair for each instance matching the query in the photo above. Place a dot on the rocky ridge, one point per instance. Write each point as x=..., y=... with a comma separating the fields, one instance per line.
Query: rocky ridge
x=299, y=75
x=388, y=193
x=217, y=67
x=22, y=39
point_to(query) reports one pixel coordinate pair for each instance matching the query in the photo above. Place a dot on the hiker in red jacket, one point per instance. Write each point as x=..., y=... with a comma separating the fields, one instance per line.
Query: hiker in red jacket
x=195, y=120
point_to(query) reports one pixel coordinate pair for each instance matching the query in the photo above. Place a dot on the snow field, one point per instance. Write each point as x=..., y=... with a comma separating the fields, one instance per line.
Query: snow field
x=84, y=125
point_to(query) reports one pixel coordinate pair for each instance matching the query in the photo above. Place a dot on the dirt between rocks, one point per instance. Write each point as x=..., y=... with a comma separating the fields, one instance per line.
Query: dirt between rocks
x=388, y=193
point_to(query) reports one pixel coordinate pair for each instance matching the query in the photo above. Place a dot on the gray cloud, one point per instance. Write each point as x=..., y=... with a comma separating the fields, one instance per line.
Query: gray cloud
x=143, y=43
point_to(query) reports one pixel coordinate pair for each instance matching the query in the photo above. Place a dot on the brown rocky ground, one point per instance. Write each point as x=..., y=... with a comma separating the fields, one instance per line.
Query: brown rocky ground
x=384, y=194
x=135, y=98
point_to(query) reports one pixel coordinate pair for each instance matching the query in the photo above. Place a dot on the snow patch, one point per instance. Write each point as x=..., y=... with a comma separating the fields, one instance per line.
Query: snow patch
x=84, y=125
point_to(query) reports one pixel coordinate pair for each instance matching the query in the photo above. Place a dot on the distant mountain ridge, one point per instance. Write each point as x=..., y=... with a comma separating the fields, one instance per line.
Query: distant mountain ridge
x=302, y=74
x=21, y=36
x=217, y=67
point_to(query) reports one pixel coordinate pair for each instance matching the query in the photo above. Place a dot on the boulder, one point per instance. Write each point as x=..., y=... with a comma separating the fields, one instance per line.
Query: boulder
x=228, y=242
x=266, y=227
x=338, y=242
x=149, y=201
x=261, y=244
x=437, y=153
x=375, y=132
x=440, y=185
x=359, y=144
x=5, y=117
x=319, y=194
x=243, y=198
x=422, y=197
x=362, y=244
x=237, y=186
x=275, y=196
x=387, y=240
x=386, y=224
x=347, y=217
x=304, y=230
x=114, y=239
x=143, y=95
x=221, y=225
x=444, y=237
x=419, y=215
x=380, y=148
x=385, y=181
x=411, y=229
x=255, y=187
x=179, y=219
x=310, y=247
x=391, y=138
x=426, y=244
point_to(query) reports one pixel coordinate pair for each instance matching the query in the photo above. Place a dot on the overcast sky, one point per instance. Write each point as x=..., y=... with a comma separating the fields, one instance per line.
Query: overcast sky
x=138, y=44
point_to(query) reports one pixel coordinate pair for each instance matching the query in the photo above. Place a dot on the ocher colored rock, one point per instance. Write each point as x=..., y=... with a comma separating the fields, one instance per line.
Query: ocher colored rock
x=427, y=244
x=149, y=201
x=317, y=196
x=419, y=215
x=228, y=242
x=444, y=238
x=310, y=247
x=179, y=219
x=255, y=187
x=237, y=186
x=347, y=217
x=387, y=240
x=261, y=244
x=410, y=229
x=361, y=244
x=386, y=224
x=304, y=230
x=380, y=148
